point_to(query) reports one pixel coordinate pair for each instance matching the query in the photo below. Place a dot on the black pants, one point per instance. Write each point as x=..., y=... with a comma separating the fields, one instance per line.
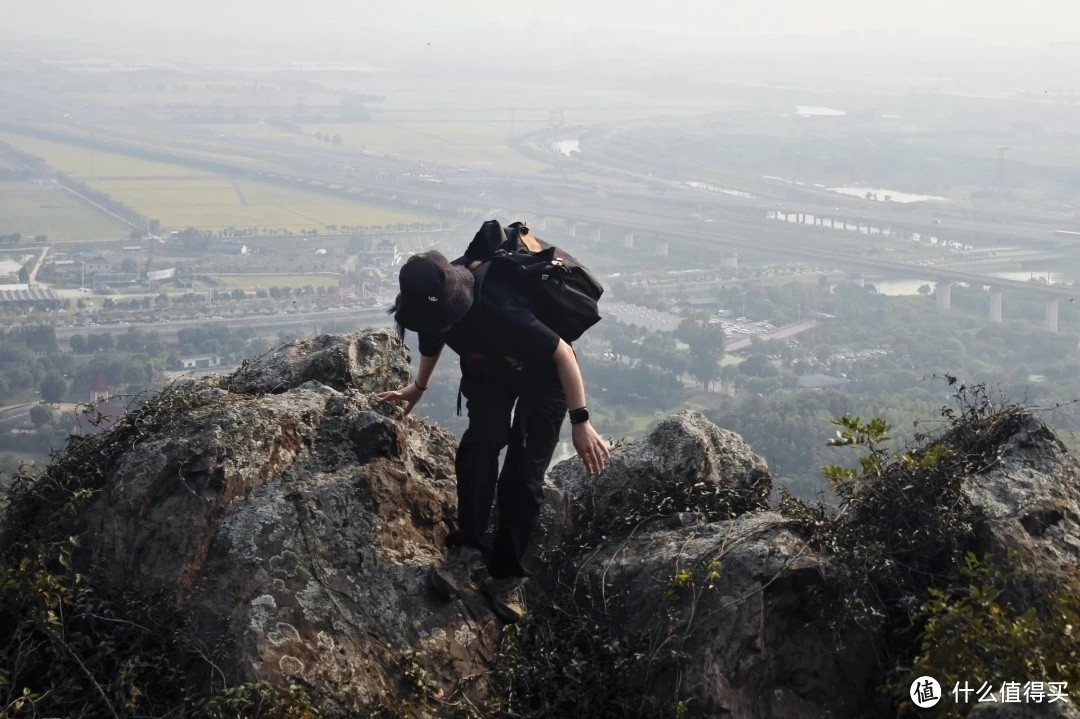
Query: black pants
x=492, y=388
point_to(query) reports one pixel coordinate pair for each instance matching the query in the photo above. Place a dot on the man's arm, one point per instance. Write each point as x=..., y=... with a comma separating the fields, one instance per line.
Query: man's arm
x=594, y=452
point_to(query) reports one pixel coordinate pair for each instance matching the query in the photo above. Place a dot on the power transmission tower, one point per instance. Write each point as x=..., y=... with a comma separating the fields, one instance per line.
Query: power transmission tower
x=1001, y=163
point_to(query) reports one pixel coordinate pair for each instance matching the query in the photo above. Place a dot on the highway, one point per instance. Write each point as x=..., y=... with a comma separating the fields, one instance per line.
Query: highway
x=708, y=241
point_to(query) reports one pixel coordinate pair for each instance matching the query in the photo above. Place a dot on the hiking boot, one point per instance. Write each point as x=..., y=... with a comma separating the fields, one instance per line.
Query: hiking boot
x=462, y=565
x=507, y=598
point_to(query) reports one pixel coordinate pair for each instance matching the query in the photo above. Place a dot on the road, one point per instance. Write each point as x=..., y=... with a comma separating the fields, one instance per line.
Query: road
x=15, y=412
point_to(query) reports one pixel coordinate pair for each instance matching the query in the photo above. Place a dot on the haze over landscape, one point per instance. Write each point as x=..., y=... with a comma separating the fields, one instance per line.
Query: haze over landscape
x=225, y=162
x=800, y=211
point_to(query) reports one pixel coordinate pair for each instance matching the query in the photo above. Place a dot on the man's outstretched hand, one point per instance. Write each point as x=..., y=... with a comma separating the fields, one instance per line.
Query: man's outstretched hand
x=409, y=395
x=593, y=450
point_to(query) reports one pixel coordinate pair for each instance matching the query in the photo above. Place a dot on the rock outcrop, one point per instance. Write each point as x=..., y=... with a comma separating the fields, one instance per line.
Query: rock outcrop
x=294, y=517
x=299, y=524
x=738, y=594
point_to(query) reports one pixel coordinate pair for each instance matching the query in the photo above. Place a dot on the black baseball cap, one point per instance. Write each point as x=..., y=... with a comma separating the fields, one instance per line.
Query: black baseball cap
x=434, y=293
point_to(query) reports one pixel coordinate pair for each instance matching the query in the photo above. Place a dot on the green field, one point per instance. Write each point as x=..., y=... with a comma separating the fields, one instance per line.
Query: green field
x=50, y=210
x=476, y=145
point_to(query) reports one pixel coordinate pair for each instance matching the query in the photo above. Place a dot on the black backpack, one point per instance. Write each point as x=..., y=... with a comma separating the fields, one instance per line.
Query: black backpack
x=520, y=270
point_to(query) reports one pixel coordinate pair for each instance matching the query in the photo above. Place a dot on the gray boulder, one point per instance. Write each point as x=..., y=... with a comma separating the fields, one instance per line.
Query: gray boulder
x=683, y=450
x=299, y=526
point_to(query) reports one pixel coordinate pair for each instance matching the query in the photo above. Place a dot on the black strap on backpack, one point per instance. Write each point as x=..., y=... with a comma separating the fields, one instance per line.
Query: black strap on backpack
x=559, y=290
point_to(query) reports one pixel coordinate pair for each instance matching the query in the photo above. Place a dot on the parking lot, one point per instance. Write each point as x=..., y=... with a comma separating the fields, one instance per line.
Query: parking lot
x=640, y=316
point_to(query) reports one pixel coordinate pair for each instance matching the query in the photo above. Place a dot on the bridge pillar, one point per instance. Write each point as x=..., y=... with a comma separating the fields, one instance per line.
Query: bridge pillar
x=997, y=303
x=662, y=248
x=597, y=233
x=1052, y=314
x=573, y=229
x=943, y=294
x=628, y=240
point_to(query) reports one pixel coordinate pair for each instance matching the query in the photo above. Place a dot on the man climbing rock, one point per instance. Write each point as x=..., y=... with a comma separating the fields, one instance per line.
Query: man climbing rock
x=518, y=379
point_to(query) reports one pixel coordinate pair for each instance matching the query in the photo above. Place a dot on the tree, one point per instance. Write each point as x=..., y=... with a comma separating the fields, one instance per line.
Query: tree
x=24, y=275
x=128, y=266
x=41, y=415
x=704, y=365
x=103, y=342
x=758, y=365
x=53, y=388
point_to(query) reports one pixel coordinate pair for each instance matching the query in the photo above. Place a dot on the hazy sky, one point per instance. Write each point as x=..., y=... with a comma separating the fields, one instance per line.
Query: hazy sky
x=1034, y=21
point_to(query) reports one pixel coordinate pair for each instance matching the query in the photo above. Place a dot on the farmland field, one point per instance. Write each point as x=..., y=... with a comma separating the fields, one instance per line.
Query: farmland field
x=183, y=197
x=49, y=210
x=468, y=144
x=215, y=203
x=75, y=161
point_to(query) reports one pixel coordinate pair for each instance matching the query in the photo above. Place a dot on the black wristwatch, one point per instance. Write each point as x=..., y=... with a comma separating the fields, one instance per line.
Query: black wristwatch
x=577, y=416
